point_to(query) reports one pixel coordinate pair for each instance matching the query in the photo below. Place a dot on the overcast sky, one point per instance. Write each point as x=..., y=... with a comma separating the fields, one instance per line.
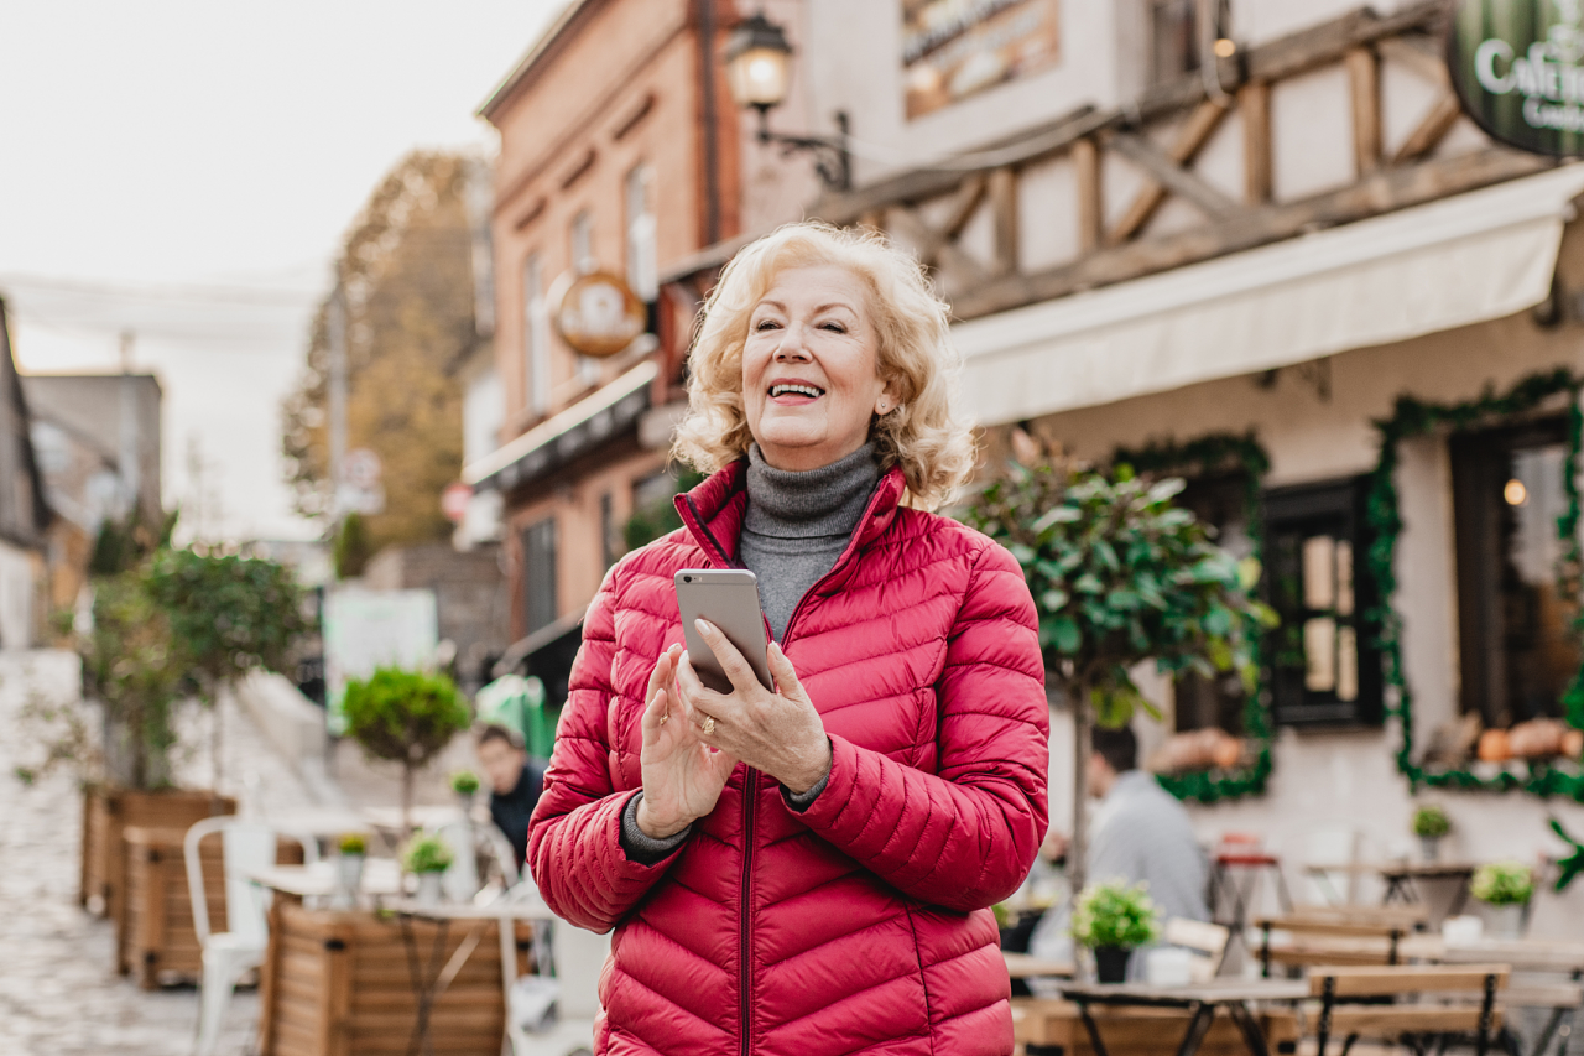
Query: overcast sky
x=186, y=168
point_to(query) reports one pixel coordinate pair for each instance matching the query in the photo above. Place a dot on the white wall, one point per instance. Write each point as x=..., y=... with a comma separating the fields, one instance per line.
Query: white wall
x=17, y=589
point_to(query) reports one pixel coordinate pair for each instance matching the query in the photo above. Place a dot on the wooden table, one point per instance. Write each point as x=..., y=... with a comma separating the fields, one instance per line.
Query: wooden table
x=1522, y=954
x=381, y=878
x=1025, y=966
x=1200, y=1000
x=1402, y=878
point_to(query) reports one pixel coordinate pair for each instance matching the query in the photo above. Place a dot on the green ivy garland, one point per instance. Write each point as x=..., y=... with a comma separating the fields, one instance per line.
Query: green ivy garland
x=1411, y=418
x=1204, y=455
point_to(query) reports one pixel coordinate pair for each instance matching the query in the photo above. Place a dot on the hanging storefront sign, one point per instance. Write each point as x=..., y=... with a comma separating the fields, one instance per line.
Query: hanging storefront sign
x=1516, y=67
x=952, y=49
x=596, y=313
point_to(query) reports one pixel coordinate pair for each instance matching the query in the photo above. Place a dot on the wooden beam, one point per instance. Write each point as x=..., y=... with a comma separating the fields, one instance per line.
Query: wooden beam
x=1254, y=106
x=1195, y=133
x=1364, y=96
x=1004, y=219
x=963, y=206
x=1386, y=191
x=1170, y=175
x=1091, y=199
x=1428, y=134
x=933, y=252
x=1419, y=54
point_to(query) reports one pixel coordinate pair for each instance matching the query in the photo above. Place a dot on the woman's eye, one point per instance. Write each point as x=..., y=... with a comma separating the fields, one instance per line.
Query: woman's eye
x=766, y=324
x=835, y=328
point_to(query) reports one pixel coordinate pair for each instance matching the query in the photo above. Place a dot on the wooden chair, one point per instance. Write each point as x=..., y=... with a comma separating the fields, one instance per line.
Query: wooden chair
x=1207, y=944
x=1344, y=1011
x=1359, y=936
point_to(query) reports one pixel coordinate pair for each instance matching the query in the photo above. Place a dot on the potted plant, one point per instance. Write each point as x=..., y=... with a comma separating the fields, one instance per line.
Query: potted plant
x=1120, y=576
x=1432, y=825
x=1114, y=919
x=351, y=853
x=465, y=783
x=427, y=857
x=1506, y=888
x=407, y=717
x=229, y=616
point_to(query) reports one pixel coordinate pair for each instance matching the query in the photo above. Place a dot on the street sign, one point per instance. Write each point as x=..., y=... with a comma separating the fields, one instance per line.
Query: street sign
x=366, y=501
x=1515, y=65
x=360, y=468
x=596, y=313
x=454, y=502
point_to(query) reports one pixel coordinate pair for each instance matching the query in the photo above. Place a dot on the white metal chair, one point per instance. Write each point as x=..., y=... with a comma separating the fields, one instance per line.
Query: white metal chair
x=229, y=955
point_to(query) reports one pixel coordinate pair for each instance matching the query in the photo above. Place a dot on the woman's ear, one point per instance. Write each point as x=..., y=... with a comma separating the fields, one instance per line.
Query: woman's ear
x=887, y=401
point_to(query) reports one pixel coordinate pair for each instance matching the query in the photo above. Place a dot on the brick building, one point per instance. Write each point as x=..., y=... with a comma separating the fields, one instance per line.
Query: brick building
x=619, y=150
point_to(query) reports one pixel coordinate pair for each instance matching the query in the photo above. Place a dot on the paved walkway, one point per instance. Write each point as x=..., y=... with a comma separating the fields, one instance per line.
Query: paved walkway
x=59, y=993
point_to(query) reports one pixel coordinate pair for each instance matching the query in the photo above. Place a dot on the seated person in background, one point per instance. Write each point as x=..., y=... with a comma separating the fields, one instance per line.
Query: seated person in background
x=514, y=783
x=1140, y=832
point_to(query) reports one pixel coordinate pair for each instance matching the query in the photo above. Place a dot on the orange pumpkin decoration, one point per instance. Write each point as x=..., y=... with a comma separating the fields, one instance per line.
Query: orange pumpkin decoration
x=1494, y=746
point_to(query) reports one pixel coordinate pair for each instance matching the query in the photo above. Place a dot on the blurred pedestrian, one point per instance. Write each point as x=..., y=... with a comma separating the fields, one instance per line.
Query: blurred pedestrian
x=808, y=870
x=515, y=783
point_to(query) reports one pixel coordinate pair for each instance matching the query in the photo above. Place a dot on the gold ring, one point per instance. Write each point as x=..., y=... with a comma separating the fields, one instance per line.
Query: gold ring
x=664, y=719
x=709, y=725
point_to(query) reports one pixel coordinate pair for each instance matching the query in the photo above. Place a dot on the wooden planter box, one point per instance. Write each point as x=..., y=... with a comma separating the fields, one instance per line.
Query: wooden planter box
x=107, y=813
x=156, y=938
x=340, y=983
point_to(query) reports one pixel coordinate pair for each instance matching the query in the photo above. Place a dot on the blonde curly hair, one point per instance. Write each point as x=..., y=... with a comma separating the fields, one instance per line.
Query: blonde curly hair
x=925, y=435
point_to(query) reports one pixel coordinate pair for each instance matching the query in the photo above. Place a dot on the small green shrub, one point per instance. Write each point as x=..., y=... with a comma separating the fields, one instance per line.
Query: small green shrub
x=1114, y=914
x=1431, y=822
x=1502, y=884
x=464, y=782
x=353, y=843
x=406, y=717
x=426, y=853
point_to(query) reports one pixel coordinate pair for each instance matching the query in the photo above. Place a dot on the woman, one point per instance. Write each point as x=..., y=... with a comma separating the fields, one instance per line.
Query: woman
x=807, y=870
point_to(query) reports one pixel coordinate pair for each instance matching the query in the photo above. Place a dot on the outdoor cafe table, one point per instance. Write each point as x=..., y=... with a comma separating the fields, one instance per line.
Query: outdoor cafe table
x=1024, y=966
x=1402, y=878
x=1199, y=999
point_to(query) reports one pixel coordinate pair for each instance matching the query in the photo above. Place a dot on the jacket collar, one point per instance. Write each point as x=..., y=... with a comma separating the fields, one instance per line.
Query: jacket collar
x=713, y=513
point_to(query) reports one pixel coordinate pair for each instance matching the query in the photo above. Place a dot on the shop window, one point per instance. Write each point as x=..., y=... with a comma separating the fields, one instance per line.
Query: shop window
x=1324, y=667
x=581, y=238
x=1221, y=502
x=536, y=336
x=643, y=270
x=609, y=543
x=539, y=574
x=1178, y=35
x=1516, y=651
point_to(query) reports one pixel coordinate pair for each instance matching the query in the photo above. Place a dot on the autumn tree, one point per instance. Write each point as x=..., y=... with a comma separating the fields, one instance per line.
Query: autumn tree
x=405, y=269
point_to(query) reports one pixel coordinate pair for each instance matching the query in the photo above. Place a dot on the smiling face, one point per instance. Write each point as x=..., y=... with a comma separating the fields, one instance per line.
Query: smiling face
x=811, y=368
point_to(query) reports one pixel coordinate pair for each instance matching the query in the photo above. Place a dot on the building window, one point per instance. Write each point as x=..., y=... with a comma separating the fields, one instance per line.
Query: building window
x=583, y=259
x=610, y=546
x=1178, y=37
x=536, y=336
x=1221, y=502
x=642, y=262
x=1324, y=667
x=1515, y=651
x=539, y=574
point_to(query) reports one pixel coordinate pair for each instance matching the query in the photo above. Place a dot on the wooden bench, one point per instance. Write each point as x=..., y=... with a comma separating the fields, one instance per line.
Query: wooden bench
x=1045, y=1026
x=1360, y=936
x=1350, y=1008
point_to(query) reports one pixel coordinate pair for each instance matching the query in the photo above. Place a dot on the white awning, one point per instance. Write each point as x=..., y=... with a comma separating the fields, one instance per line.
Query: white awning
x=1466, y=259
x=568, y=434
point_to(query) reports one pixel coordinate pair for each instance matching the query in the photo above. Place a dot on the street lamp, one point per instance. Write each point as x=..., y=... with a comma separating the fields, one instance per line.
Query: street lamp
x=758, y=66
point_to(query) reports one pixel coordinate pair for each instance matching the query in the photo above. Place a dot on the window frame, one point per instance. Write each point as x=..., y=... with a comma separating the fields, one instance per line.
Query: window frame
x=540, y=593
x=538, y=383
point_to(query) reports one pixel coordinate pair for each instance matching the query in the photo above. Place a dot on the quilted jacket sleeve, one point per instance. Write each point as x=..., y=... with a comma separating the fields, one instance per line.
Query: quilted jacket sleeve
x=966, y=837
x=574, y=838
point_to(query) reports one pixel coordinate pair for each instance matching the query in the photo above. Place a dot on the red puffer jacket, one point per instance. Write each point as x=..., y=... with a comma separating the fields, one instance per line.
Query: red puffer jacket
x=860, y=925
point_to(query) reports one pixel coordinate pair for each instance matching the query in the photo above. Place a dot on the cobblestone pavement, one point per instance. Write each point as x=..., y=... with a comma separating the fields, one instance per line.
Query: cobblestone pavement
x=59, y=992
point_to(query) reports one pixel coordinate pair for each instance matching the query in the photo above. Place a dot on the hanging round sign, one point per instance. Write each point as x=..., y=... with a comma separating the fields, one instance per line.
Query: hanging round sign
x=596, y=313
x=1515, y=66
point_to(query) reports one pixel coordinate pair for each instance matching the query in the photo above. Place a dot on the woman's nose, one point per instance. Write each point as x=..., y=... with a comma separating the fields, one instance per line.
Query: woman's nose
x=791, y=349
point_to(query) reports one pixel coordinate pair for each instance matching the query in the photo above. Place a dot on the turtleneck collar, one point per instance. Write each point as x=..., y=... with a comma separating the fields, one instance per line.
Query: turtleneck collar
x=824, y=501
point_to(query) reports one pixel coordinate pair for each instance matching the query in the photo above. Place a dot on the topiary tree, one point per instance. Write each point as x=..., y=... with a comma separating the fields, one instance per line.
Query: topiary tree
x=406, y=717
x=228, y=615
x=1119, y=576
x=129, y=664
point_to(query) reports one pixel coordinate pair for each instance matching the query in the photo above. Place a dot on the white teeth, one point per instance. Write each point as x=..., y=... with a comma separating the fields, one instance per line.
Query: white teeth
x=795, y=390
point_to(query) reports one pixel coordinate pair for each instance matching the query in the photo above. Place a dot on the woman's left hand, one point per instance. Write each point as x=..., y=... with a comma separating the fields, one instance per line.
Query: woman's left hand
x=777, y=732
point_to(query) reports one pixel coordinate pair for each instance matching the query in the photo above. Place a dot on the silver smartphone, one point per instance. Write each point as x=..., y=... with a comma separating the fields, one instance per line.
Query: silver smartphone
x=728, y=598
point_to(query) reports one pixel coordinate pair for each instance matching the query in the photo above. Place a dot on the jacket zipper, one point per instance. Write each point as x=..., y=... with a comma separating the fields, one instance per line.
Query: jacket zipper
x=745, y=980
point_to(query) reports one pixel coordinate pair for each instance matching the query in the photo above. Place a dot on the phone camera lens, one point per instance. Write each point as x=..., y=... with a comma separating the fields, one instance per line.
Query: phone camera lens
x=687, y=579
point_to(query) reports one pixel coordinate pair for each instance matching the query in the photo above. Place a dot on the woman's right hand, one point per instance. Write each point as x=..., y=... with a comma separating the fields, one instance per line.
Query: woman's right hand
x=682, y=776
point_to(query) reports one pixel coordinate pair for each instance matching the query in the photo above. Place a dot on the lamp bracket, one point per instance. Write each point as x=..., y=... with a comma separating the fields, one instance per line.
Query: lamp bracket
x=832, y=156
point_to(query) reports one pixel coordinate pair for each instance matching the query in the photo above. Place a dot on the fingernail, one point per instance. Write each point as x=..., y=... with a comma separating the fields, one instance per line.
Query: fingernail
x=701, y=626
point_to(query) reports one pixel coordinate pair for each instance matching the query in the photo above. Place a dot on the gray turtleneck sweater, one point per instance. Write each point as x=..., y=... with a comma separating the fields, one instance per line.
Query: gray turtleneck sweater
x=796, y=526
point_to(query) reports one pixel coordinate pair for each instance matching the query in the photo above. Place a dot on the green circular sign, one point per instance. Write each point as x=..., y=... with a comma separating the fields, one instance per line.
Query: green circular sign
x=1515, y=65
